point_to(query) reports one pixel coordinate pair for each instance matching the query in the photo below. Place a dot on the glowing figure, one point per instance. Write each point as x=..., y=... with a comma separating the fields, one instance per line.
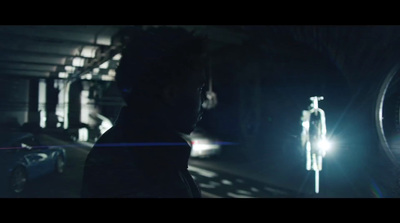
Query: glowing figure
x=313, y=137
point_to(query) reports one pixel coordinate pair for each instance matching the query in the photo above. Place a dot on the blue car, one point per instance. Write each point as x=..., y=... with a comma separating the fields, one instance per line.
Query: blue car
x=23, y=158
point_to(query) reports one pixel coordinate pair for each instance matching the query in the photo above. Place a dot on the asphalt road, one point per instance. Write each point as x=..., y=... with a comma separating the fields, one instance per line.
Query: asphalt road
x=281, y=175
x=213, y=180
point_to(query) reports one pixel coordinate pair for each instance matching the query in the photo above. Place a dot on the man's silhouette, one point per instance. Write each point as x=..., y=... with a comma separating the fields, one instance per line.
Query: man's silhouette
x=143, y=155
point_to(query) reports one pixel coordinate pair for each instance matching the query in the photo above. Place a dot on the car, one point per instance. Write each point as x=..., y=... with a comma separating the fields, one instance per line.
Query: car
x=204, y=145
x=24, y=158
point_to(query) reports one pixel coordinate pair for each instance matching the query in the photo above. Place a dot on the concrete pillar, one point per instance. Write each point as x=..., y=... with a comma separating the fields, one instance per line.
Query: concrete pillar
x=74, y=104
x=51, y=103
x=33, y=102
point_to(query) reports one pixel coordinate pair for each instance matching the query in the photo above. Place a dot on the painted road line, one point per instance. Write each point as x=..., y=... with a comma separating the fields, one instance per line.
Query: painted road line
x=209, y=195
x=230, y=194
x=203, y=172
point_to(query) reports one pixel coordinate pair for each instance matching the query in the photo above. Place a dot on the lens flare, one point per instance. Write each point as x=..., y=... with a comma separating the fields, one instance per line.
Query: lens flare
x=324, y=144
x=375, y=190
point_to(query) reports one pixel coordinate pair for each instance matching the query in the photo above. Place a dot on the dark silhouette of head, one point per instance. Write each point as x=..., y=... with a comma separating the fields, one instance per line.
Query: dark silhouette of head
x=163, y=69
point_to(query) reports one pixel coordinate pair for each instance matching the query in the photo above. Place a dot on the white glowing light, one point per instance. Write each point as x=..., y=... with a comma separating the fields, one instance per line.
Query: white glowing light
x=107, y=78
x=96, y=71
x=324, y=144
x=104, y=40
x=78, y=62
x=87, y=76
x=203, y=147
x=83, y=134
x=112, y=72
x=42, y=102
x=62, y=74
x=69, y=69
x=105, y=125
x=104, y=65
x=23, y=145
x=89, y=51
x=117, y=57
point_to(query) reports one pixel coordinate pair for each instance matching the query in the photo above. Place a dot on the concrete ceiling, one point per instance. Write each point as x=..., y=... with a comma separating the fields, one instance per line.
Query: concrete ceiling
x=44, y=51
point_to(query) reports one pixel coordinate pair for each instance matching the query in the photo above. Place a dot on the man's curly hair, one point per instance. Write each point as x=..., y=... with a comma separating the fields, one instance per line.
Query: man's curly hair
x=157, y=56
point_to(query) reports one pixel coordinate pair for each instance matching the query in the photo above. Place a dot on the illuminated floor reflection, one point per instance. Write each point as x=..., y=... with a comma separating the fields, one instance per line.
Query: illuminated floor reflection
x=225, y=185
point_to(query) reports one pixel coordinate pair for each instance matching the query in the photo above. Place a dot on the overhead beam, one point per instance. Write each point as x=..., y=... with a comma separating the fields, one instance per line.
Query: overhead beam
x=59, y=37
x=11, y=39
x=89, y=29
x=25, y=73
x=40, y=54
x=26, y=69
x=30, y=63
x=19, y=76
x=33, y=58
x=27, y=66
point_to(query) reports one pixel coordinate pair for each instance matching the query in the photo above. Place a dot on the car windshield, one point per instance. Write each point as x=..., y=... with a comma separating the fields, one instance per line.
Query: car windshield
x=287, y=111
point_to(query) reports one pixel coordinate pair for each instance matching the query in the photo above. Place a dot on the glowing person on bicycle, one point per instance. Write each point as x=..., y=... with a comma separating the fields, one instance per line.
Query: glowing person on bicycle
x=314, y=134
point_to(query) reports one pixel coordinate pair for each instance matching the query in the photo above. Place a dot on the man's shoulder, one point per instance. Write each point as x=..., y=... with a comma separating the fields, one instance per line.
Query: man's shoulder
x=104, y=147
x=109, y=136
